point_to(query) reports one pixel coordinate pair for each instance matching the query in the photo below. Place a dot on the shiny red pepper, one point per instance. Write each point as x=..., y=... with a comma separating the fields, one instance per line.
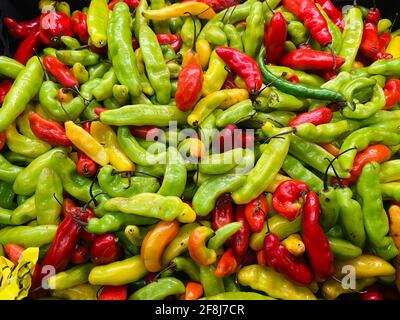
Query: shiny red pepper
x=105, y=249
x=79, y=26
x=229, y=82
x=113, y=293
x=100, y=110
x=174, y=40
x=48, y=130
x=317, y=246
x=190, y=83
x=28, y=46
x=241, y=238
x=86, y=167
x=274, y=38
x=307, y=11
x=373, y=16
x=281, y=260
x=333, y=13
x=288, y=198
x=80, y=254
x=227, y=264
x=330, y=75
x=255, y=212
x=384, y=40
x=308, y=59
x=145, y=132
x=131, y=3
x=317, y=116
x=392, y=93
x=5, y=86
x=223, y=212
x=370, y=41
x=20, y=30
x=372, y=293
x=3, y=139
x=60, y=71
x=244, y=66
x=53, y=25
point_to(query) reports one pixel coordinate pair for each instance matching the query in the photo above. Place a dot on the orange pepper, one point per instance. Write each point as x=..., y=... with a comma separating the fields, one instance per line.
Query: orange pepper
x=331, y=148
x=197, y=246
x=194, y=291
x=227, y=264
x=155, y=242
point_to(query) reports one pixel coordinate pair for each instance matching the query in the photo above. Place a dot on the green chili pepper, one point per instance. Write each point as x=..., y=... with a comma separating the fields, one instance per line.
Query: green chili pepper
x=50, y=52
x=24, y=212
x=222, y=162
x=85, y=57
x=236, y=113
x=18, y=159
x=159, y=26
x=206, y=196
x=120, y=48
x=99, y=70
x=5, y=216
x=112, y=182
x=49, y=192
x=375, y=219
x=188, y=31
x=254, y=33
x=391, y=190
x=381, y=116
x=352, y=37
x=120, y=93
x=390, y=67
x=175, y=174
x=60, y=111
x=281, y=118
x=105, y=88
x=305, y=78
x=97, y=21
x=242, y=295
x=70, y=42
x=188, y=266
x=283, y=101
x=130, y=249
x=233, y=36
x=296, y=170
x=27, y=236
x=152, y=171
x=298, y=32
x=10, y=67
x=25, y=87
x=8, y=171
x=337, y=83
x=211, y=284
x=360, y=139
x=215, y=35
x=80, y=73
x=159, y=289
x=231, y=285
x=215, y=75
x=334, y=31
x=7, y=196
x=329, y=207
x=390, y=171
x=22, y=199
x=70, y=278
x=156, y=67
x=80, y=292
x=351, y=217
x=139, y=17
x=175, y=24
x=223, y=234
x=343, y=249
x=335, y=232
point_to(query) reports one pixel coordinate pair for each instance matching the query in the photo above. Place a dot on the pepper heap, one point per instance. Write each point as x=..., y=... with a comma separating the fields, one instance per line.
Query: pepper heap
x=201, y=149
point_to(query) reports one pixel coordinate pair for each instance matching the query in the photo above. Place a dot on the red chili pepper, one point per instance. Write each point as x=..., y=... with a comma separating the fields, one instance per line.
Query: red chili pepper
x=53, y=25
x=288, y=198
x=28, y=46
x=370, y=41
x=218, y=5
x=227, y=137
x=247, y=140
x=373, y=16
x=48, y=130
x=241, y=238
x=194, y=291
x=135, y=43
x=227, y=264
x=317, y=246
x=86, y=167
x=392, y=93
x=174, y=40
x=384, y=40
x=281, y=260
x=333, y=13
x=243, y=65
x=229, y=82
x=131, y=3
x=5, y=86
x=113, y=292
x=65, y=240
x=307, y=59
x=317, y=116
x=255, y=212
x=261, y=259
x=223, y=212
x=294, y=78
x=274, y=38
x=80, y=254
x=20, y=30
x=145, y=132
x=307, y=11
x=330, y=75
x=372, y=293
x=79, y=26
x=100, y=110
x=105, y=249
x=3, y=139
x=190, y=83
x=378, y=153
x=60, y=71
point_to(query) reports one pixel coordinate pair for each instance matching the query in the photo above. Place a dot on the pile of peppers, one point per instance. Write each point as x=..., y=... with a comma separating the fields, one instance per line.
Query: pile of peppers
x=280, y=173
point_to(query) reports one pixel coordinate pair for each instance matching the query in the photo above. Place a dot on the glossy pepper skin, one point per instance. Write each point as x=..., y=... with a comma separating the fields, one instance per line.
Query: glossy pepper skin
x=308, y=59
x=174, y=40
x=5, y=86
x=274, y=38
x=49, y=131
x=113, y=293
x=60, y=71
x=317, y=116
x=281, y=260
x=20, y=30
x=242, y=65
x=79, y=26
x=255, y=212
x=370, y=43
x=392, y=93
x=317, y=245
x=28, y=46
x=190, y=84
x=334, y=13
x=53, y=25
x=241, y=238
x=227, y=264
x=104, y=249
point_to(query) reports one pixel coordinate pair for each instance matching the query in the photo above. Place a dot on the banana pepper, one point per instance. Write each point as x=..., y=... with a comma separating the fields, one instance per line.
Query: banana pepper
x=200, y=9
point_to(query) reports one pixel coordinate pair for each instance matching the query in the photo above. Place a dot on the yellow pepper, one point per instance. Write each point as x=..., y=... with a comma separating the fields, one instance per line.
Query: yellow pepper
x=294, y=244
x=366, y=266
x=203, y=48
x=200, y=9
x=118, y=273
x=80, y=292
x=275, y=183
x=106, y=136
x=86, y=143
x=215, y=75
x=394, y=216
x=274, y=284
x=394, y=47
x=133, y=234
x=188, y=215
x=332, y=288
x=240, y=83
x=234, y=96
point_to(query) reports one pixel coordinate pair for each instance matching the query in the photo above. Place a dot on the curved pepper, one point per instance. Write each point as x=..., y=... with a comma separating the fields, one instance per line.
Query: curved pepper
x=202, y=10
x=197, y=246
